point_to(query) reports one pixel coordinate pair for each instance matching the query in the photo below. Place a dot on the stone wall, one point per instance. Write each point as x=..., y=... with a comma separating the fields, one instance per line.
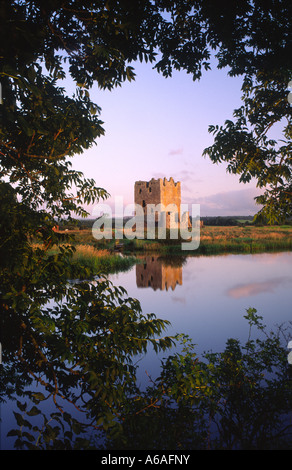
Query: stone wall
x=171, y=193
x=159, y=191
x=147, y=192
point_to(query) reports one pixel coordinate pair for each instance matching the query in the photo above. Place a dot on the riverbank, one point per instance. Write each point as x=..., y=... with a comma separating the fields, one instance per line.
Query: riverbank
x=99, y=261
x=109, y=256
x=102, y=260
x=213, y=240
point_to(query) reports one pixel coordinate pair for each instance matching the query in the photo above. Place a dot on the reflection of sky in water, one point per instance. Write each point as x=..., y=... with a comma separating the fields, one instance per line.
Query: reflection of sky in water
x=247, y=290
x=215, y=292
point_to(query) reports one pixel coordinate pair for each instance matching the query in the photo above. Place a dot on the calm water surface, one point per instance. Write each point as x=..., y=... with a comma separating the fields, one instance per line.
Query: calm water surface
x=207, y=297
x=204, y=297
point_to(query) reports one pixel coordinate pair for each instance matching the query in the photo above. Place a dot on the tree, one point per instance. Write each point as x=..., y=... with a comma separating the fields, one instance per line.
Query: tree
x=237, y=399
x=250, y=149
x=257, y=48
x=96, y=43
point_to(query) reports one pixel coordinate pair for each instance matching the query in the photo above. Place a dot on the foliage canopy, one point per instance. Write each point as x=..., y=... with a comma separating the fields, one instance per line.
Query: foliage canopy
x=96, y=42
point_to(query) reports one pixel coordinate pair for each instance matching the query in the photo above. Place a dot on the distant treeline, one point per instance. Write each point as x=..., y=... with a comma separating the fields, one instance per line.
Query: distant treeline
x=228, y=220
x=214, y=221
x=238, y=220
x=220, y=221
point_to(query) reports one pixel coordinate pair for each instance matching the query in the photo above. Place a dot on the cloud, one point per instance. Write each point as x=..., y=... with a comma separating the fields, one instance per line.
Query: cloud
x=186, y=175
x=188, y=179
x=255, y=288
x=235, y=202
x=178, y=151
x=178, y=299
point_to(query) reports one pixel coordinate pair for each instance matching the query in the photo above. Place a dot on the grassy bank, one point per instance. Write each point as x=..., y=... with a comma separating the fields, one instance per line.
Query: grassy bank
x=248, y=239
x=102, y=260
x=213, y=240
x=102, y=256
x=98, y=260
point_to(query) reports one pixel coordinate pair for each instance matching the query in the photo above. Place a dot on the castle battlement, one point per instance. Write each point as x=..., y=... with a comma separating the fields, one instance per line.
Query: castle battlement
x=170, y=182
x=159, y=181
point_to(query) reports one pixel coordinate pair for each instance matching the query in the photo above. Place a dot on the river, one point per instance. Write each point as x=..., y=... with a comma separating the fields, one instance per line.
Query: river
x=205, y=297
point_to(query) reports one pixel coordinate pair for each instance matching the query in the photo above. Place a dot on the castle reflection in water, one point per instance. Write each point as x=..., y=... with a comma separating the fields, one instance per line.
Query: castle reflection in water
x=153, y=272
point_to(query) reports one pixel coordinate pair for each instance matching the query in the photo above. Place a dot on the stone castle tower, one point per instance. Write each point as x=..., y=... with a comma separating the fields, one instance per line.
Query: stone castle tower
x=159, y=191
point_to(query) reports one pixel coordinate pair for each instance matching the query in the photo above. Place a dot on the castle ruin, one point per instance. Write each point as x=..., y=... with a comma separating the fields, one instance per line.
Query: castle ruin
x=166, y=193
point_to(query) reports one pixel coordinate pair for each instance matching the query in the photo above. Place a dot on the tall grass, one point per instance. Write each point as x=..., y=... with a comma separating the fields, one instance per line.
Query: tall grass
x=230, y=239
x=225, y=240
x=98, y=260
x=102, y=260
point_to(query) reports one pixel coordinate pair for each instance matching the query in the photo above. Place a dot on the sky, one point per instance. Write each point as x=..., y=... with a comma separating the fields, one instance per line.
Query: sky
x=157, y=127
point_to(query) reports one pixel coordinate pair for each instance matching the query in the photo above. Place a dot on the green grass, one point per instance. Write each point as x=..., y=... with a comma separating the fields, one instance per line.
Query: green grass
x=213, y=239
x=100, y=256
x=99, y=261
x=102, y=261
x=223, y=240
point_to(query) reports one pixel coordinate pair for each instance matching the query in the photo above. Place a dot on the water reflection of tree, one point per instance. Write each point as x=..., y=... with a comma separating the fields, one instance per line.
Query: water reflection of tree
x=238, y=399
x=73, y=390
x=74, y=359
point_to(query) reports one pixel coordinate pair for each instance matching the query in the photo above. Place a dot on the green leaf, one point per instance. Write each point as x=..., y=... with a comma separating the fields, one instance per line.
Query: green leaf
x=34, y=411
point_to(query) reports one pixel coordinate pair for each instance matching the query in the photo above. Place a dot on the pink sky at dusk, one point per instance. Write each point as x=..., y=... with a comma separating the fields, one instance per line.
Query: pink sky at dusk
x=157, y=127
